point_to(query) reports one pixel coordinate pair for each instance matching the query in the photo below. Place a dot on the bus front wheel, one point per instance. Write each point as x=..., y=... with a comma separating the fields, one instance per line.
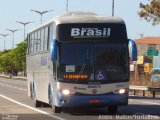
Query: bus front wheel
x=56, y=109
x=112, y=110
x=37, y=103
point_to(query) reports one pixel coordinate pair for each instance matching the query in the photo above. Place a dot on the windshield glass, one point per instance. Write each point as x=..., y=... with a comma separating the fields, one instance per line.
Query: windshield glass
x=93, y=62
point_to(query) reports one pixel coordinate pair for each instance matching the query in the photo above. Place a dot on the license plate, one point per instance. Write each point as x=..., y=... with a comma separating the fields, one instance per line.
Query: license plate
x=94, y=100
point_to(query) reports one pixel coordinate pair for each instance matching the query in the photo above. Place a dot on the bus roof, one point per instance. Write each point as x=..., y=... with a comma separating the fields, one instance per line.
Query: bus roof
x=80, y=17
x=86, y=17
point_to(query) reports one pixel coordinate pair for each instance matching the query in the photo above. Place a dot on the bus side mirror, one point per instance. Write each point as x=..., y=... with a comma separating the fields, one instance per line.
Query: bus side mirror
x=132, y=50
x=53, y=50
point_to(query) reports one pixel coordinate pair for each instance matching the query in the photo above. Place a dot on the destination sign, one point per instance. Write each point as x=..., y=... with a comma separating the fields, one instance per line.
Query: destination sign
x=114, y=33
x=69, y=76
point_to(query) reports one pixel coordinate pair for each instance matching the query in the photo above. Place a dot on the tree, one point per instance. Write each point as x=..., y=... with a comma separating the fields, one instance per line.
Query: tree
x=12, y=61
x=151, y=12
x=20, y=56
x=4, y=61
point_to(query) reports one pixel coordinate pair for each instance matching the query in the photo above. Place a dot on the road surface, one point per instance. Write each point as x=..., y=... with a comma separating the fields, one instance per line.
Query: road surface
x=16, y=105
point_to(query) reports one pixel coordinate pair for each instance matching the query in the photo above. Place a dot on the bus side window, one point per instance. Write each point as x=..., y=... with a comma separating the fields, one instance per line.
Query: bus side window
x=50, y=35
x=32, y=42
x=35, y=42
x=28, y=44
x=45, y=42
x=42, y=39
x=39, y=41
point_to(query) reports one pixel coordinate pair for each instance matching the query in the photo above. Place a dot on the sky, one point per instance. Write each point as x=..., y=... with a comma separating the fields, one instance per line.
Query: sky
x=19, y=10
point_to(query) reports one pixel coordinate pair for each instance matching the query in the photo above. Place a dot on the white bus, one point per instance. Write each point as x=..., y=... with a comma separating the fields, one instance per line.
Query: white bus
x=79, y=59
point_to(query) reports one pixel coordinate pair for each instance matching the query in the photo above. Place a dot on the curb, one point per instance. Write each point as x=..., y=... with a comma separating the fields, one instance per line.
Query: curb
x=14, y=77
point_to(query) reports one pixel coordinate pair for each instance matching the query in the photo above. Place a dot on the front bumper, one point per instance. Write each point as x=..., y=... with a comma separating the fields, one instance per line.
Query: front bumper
x=83, y=100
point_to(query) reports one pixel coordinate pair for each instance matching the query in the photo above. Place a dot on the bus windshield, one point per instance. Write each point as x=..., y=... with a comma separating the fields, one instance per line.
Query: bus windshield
x=93, y=62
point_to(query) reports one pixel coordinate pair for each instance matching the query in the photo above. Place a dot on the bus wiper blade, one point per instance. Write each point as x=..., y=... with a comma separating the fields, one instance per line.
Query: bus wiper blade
x=81, y=70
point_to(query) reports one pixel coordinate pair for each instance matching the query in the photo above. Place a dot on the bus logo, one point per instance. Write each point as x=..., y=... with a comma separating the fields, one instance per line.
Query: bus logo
x=90, y=32
x=94, y=91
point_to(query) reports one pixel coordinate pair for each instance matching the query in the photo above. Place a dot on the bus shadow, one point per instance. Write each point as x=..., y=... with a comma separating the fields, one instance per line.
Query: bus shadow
x=85, y=111
x=129, y=110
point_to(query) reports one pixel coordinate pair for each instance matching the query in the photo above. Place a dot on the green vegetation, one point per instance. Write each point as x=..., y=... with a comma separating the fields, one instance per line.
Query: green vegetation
x=151, y=12
x=12, y=61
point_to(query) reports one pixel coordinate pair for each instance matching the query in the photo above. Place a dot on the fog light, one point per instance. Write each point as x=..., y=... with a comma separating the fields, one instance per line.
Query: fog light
x=121, y=91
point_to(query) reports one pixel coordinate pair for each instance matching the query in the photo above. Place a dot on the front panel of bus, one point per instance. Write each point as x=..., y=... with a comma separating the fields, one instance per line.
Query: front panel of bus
x=93, y=64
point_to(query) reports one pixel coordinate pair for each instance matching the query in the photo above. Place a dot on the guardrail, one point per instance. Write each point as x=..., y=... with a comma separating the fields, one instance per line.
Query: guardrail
x=131, y=87
x=144, y=88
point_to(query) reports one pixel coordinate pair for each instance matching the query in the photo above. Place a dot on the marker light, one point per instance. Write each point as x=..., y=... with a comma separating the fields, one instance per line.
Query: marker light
x=121, y=91
x=66, y=92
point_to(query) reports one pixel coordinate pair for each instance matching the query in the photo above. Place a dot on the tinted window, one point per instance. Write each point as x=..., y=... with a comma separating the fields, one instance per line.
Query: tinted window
x=105, y=62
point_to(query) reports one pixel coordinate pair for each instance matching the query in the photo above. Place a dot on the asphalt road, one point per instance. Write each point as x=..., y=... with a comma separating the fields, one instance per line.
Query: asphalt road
x=16, y=105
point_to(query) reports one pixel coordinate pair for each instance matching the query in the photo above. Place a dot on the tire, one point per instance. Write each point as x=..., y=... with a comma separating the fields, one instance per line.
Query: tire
x=36, y=102
x=49, y=96
x=31, y=91
x=112, y=110
x=56, y=109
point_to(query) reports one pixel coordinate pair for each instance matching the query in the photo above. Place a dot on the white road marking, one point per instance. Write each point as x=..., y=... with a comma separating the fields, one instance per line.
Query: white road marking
x=13, y=87
x=32, y=108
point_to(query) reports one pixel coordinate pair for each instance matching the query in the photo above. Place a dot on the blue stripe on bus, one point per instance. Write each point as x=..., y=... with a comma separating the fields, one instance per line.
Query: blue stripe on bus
x=75, y=101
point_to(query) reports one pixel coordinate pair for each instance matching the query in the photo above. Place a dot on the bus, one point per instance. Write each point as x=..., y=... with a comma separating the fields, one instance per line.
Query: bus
x=79, y=59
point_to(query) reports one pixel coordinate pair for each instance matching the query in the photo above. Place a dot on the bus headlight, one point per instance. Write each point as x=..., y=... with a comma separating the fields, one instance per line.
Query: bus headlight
x=65, y=92
x=122, y=91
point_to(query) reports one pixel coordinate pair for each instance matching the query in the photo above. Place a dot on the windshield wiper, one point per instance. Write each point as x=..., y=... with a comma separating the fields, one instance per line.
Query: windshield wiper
x=81, y=70
x=84, y=64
